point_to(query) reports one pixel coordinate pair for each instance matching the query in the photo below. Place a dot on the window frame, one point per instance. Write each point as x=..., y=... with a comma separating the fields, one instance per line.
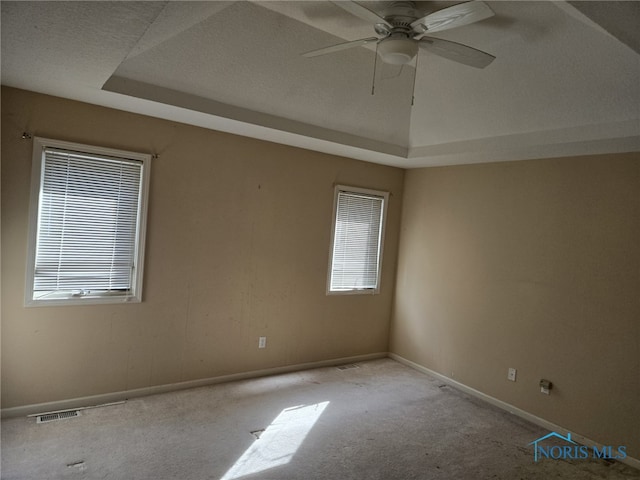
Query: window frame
x=37, y=177
x=385, y=201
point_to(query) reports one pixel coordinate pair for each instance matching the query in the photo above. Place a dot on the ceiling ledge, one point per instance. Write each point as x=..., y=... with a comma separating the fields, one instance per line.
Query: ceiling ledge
x=195, y=103
x=616, y=137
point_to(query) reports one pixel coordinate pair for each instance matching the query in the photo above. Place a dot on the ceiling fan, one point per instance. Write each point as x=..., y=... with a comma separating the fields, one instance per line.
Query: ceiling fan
x=403, y=30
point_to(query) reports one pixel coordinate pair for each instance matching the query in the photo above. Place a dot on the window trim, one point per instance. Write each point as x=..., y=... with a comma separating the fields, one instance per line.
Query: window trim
x=385, y=202
x=37, y=174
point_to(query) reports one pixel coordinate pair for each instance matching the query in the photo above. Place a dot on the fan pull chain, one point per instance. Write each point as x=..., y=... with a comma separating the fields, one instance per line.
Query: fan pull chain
x=415, y=73
x=375, y=65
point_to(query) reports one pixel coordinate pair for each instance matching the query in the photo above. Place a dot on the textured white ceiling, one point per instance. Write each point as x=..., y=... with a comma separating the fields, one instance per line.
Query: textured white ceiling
x=561, y=83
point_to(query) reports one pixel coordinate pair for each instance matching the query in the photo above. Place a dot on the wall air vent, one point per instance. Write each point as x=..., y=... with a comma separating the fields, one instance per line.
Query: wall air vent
x=52, y=417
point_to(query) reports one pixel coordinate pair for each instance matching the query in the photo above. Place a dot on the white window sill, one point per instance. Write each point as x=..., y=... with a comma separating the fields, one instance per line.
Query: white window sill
x=355, y=291
x=65, y=300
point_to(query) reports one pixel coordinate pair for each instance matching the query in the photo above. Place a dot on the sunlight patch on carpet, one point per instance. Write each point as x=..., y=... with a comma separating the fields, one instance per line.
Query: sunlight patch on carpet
x=279, y=442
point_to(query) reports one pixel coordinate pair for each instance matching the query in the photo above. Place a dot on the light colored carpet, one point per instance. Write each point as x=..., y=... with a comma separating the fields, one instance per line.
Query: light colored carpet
x=380, y=421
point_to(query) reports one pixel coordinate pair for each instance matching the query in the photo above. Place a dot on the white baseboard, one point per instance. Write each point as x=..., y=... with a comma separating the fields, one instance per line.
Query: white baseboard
x=632, y=462
x=105, y=398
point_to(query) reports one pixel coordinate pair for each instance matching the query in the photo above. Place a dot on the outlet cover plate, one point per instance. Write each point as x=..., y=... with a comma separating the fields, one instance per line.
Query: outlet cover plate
x=511, y=375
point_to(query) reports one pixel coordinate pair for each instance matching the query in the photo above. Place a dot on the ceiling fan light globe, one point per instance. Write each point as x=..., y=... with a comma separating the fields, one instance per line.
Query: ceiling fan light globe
x=397, y=51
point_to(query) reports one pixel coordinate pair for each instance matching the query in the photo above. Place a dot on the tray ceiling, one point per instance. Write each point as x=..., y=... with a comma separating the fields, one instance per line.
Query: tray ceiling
x=566, y=80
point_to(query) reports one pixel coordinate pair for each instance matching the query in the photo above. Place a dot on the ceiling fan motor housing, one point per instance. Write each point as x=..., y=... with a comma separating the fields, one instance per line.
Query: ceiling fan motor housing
x=399, y=47
x=402, y=9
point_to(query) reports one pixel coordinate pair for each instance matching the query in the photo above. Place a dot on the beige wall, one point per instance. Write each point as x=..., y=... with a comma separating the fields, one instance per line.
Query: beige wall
x=533, y=265
x=237, y=248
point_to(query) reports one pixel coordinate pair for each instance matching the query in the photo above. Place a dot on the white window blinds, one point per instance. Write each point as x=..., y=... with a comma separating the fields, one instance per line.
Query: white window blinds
x=88, y=225
x=357, y=241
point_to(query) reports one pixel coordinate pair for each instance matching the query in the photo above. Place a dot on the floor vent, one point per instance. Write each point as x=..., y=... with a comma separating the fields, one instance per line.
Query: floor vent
x=347, y=367
x=52, y=417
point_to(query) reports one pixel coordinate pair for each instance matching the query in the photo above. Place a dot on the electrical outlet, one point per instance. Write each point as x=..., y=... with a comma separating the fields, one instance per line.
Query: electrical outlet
x=512, y=374
x=262, y=342
x=545, y=386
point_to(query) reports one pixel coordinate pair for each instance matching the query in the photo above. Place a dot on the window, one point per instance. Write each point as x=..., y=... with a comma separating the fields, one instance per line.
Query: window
x=87, y=225
x=358, y=231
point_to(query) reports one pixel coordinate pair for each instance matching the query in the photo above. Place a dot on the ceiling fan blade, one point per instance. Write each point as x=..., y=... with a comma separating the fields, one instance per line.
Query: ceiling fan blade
x=339, y=46
x=362, y=12
x=452, y=17
x=457, y=52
